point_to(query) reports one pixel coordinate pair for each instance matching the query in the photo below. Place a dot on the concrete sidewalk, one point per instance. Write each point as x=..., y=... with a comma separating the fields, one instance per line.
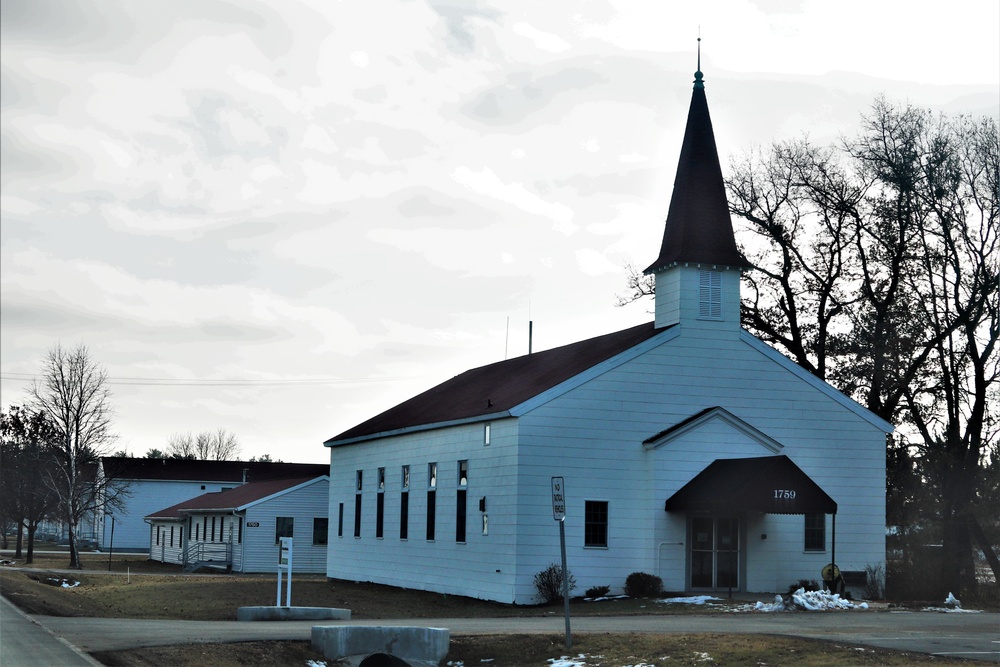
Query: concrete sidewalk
x=25, y=643
x=973, y=636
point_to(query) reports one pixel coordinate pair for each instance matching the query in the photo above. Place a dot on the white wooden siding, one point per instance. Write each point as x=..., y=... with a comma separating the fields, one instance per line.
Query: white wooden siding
x=259, y=552
x=481, y=567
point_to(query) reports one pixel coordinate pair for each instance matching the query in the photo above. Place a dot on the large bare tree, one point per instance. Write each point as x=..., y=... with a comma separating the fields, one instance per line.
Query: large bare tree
x=72, y=391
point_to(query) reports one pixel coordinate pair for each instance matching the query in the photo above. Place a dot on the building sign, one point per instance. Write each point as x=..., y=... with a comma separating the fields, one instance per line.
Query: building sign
x=253, y=524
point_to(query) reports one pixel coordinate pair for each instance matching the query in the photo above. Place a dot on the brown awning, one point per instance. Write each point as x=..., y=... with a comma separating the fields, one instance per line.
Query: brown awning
x=765, y=484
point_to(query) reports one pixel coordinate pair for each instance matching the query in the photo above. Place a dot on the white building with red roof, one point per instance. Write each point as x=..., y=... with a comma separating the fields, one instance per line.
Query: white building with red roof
x=689, y=449
x=238, y=529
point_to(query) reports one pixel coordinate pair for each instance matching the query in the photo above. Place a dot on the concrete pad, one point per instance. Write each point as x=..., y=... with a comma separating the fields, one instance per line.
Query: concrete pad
x=292, y=614
x=414, y=645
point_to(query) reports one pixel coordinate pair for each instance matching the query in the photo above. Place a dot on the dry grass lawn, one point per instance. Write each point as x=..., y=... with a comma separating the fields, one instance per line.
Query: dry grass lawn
x=136, y=588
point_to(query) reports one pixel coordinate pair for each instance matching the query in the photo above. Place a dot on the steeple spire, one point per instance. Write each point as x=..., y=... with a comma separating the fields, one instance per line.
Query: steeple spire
x=698, y=83
x=698, y=228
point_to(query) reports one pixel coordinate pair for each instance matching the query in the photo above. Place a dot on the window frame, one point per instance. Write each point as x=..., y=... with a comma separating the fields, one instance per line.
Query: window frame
x=287, y=522
x=814, y=536
x=321, y=527
x=596, y=519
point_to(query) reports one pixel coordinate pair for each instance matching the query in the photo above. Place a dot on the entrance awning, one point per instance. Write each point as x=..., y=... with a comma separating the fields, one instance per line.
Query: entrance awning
x=765, y=484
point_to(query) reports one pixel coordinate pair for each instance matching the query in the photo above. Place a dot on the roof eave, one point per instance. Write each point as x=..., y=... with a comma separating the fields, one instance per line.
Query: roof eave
x=334, y=442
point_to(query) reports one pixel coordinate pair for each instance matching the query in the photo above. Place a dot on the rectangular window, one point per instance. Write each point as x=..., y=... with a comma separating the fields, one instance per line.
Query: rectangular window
x=595, y=523
x=404, y=482
x=358, y=480
x=157, y=536
x=463, y=473
x=404, y=515
x=239, y=535
x=180, y=536
x=284, y=526
x=357, y=515
x=815, y=532
x=379, y=514
x=381, y=479
x=321, y=527
x=432, y=475
x=213, y=529
x=222, y=524
x=205, y=535
x=171, y=536
x=460, y=516
x=486, y=434
x=709, y=295
x=431, y=511
x=340, y=520
x=197, y=532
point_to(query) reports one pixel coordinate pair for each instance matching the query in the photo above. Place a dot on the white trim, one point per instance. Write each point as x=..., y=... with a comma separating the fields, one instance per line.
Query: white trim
x=720, y=414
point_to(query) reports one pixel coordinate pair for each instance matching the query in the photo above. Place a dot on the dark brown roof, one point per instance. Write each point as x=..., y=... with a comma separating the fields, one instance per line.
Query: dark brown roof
x=766, y=484
x=497, y=388
x=120, y=467
x=698, y=229
x=230, y=500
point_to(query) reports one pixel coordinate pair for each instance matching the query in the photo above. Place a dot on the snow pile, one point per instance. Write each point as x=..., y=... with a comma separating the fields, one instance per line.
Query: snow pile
x=566, y=661
x=803, y=600
x=952, y=605
x=695, y=599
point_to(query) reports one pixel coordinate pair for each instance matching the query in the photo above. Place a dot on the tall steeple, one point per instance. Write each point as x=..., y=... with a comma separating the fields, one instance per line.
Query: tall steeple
x=698, y=233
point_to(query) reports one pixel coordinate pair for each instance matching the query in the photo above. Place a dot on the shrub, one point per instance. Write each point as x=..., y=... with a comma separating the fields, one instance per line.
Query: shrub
x=642, y=585
x=598, y=591
x=875, y=582
x=549, y=583
x=807, y=584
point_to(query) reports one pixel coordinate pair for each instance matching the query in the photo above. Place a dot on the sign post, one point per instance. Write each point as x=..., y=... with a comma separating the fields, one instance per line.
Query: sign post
x=285, y=563
x=559, y=514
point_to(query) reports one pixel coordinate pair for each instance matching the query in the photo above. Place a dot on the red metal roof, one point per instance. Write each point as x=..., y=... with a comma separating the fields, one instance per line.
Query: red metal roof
x=497, y=388
x=227, y=501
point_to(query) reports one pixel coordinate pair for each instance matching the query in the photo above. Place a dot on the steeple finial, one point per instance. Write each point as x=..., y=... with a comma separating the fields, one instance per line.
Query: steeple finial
x=698, y=76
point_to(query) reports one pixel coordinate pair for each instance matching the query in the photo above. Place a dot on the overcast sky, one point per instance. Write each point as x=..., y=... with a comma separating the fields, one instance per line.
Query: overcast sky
x=281, y=218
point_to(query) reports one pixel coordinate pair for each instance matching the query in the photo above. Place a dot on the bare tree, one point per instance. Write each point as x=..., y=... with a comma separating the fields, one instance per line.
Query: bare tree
x=72, y=392
x=217, y=445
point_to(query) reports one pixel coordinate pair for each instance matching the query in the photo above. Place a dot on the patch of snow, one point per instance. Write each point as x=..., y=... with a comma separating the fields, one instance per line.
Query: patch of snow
x=700, y=656
x=952, y=606
x=606, y=597
x=803, y=600
x=694, y=599
x=315, y=663
x=566, y=661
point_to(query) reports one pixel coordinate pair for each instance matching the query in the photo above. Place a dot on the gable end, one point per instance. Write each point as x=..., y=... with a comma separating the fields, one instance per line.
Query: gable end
x=697, y=421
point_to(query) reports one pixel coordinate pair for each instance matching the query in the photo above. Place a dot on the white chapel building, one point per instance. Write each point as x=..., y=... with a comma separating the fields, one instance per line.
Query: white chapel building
x=689, y=449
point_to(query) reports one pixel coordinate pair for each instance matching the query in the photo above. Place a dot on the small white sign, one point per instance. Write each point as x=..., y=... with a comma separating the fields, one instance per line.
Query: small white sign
x=558, y=499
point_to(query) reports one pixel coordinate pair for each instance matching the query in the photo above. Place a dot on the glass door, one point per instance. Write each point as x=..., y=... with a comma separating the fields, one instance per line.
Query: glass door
x=715, y=552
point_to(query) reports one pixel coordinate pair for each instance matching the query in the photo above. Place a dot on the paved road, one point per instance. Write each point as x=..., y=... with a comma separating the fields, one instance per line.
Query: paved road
x=25, y=643
x=975, y=636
